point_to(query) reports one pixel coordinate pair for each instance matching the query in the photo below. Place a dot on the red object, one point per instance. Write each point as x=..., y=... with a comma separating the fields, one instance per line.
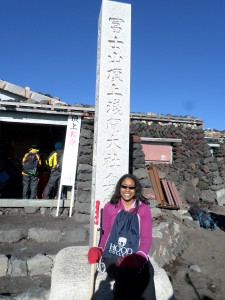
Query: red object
x=94, y=254
x=96, y=217
x=132, y=261
x=43, y=180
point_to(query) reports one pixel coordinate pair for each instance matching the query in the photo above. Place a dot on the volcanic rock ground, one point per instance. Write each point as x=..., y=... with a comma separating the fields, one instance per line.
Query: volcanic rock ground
x=205, y=249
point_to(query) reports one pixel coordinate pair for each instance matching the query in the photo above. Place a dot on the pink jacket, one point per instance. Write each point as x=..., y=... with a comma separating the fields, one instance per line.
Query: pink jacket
x=110, y=212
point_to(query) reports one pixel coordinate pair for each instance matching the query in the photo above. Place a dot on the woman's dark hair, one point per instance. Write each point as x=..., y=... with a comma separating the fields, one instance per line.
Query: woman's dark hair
x=138, y=194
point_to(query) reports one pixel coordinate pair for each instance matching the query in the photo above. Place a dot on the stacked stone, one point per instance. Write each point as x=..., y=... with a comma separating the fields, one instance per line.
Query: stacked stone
x=219, y=153
x=84, y=172
x=40, y=264
x=167, y=242
x=15, y=267
x=197, y=174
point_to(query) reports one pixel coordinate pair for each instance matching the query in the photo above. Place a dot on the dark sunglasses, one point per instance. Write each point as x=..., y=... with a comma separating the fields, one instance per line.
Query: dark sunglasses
x=127, y=187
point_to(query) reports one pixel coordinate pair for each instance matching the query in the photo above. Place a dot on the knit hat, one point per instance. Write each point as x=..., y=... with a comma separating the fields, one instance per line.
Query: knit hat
x=58, y=145
x=35, y=147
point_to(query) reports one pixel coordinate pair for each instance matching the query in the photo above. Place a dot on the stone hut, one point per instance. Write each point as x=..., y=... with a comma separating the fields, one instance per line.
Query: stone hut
x=179, y=147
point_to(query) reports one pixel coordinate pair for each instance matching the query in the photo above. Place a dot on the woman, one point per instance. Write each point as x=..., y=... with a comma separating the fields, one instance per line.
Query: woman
x=126, y=241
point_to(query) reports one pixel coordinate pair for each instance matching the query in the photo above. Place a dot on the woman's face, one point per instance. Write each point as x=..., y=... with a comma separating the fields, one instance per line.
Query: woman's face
x=127, y=189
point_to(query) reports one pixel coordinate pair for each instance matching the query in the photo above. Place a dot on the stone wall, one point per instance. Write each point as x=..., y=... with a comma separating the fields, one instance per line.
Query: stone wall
x=84, y=172
x=198, y=175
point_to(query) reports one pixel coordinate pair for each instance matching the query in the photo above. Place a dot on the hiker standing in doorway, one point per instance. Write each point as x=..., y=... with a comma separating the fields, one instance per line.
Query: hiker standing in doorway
x=55, y=163
x=30, y=163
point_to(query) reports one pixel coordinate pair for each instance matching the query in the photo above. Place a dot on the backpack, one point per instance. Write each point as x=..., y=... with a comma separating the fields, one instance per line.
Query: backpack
x=30, y=164
x=124, y=236
x=204, y=217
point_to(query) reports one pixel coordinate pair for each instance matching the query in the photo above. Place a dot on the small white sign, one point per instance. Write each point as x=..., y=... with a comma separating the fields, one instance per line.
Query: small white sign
x=69, y=165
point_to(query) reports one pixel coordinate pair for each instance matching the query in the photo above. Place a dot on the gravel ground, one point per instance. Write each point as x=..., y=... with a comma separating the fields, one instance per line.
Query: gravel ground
x=205, y=252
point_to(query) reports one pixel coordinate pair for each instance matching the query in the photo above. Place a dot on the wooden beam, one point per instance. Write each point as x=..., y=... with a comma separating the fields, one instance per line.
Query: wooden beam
x=161, y=194
x=167, y=192
x=151, y=177
x=175, y=194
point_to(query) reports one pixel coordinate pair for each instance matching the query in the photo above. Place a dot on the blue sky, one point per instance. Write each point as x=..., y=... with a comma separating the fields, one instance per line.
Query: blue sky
x=177, y=53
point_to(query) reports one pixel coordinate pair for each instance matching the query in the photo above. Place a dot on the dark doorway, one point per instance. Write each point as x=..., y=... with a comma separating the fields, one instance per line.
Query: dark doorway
x=15, y=141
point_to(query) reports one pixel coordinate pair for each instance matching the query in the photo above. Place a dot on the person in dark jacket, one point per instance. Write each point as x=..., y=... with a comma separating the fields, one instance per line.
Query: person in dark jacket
x=30, y=174
x=55, y=164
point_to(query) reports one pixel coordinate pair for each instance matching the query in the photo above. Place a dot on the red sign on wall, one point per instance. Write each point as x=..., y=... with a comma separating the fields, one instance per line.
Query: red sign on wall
x=157, y=153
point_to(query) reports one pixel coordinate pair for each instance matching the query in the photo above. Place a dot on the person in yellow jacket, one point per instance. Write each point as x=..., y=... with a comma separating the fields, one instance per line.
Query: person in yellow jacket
x=30, y=163
x=55, y=163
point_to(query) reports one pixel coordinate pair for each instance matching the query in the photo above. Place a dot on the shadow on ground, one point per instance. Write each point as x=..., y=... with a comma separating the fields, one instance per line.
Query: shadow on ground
x=219, y=219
